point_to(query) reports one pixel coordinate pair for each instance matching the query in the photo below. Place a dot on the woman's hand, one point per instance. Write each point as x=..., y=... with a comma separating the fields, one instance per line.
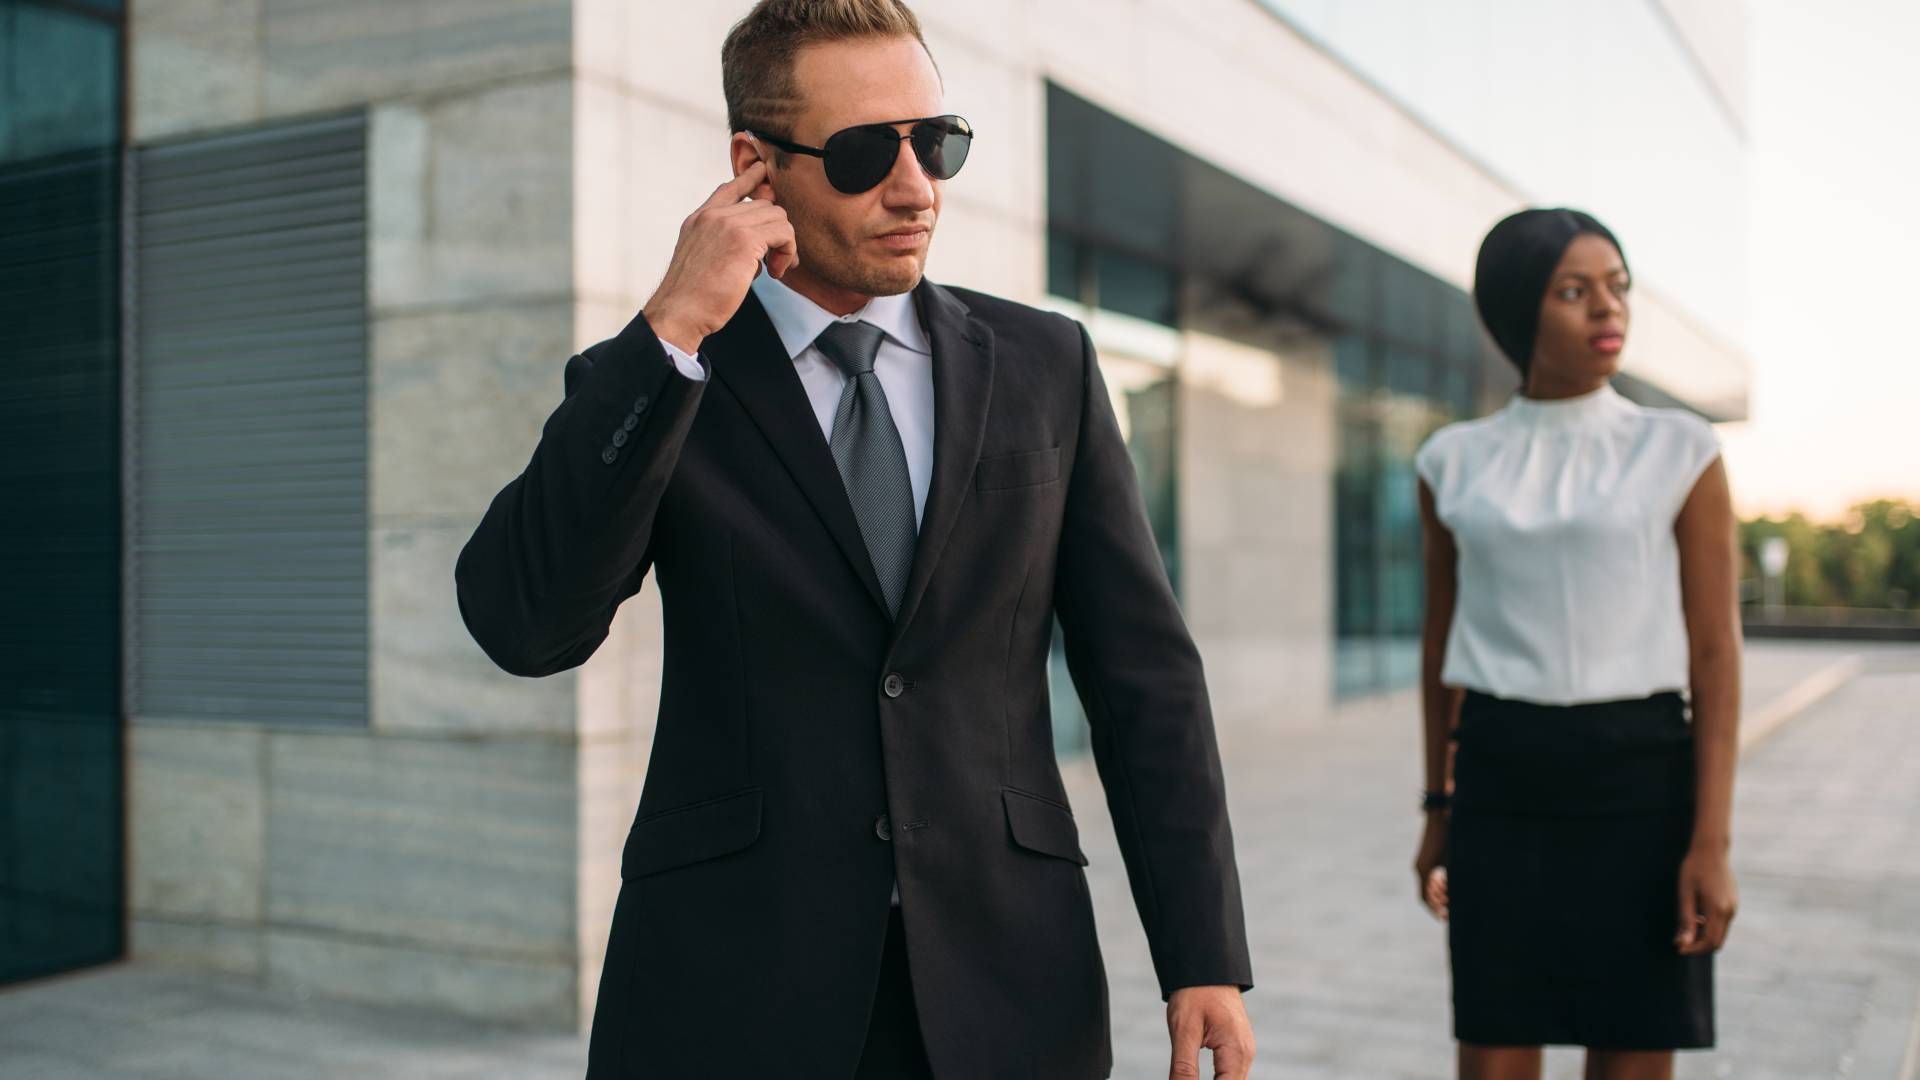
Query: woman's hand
x=1708, y=900
x=1429, y=865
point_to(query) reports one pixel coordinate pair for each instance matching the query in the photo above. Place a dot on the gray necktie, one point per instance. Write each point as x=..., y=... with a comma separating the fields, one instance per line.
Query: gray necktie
x=873, y=463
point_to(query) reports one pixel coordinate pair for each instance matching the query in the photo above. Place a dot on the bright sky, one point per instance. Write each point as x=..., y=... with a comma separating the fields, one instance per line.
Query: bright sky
x=1835, y=409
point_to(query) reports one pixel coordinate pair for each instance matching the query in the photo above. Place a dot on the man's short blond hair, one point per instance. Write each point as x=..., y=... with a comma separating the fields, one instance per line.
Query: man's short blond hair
x=757, y=60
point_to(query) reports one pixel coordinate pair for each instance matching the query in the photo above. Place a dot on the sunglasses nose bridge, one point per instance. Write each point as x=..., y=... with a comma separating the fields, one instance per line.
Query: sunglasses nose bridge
x=906, y=179
x=903, y=147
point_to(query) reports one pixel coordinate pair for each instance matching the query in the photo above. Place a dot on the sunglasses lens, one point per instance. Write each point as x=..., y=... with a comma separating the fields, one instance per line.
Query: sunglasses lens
x=941, y=144
x=860, y=157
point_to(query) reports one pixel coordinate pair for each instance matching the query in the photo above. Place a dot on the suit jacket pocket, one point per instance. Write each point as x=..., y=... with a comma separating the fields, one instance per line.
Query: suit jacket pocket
x=1042, y=825
x=691, y=834
x=1024, y=469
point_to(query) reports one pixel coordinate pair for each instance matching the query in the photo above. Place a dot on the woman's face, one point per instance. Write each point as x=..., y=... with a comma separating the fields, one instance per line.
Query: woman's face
x=1584, y=316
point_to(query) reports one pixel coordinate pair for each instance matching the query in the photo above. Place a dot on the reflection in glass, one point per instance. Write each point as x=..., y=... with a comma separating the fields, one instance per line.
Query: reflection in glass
x=59, y=81
x=1404, y=371
x=1133, y=286
x=60, y=731
x=1137, y=227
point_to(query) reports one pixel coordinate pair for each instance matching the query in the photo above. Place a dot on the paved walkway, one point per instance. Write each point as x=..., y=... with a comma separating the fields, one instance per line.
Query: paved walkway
x=146, y=1022
x=1821, y=979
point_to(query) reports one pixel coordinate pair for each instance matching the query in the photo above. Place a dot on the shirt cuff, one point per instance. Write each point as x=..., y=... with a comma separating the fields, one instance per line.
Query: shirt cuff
x=684, y=364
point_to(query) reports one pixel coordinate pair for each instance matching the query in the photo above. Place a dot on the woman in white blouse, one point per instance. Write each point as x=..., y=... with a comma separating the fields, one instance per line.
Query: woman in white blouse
x=1581, y=653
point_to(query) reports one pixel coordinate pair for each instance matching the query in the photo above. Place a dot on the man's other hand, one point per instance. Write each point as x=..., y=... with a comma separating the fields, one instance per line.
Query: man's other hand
x=1213, y=1017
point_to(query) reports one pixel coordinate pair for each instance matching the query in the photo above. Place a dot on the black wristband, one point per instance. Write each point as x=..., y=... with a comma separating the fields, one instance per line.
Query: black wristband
x=1435, y=800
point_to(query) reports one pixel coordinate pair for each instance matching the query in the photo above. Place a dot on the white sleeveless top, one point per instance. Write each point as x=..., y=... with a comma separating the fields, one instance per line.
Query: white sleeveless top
x=1562, y=515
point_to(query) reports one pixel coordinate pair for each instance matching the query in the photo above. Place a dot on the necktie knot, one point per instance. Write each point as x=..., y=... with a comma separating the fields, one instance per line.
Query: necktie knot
x=852, y=346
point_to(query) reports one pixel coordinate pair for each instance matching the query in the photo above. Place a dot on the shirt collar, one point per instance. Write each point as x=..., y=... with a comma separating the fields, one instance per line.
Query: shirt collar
x=799, y=320
x=1594, y=406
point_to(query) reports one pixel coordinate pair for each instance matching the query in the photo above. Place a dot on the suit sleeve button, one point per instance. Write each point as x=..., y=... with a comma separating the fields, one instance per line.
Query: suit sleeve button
x=620, y=437
x=608, y=453
x=632, y=421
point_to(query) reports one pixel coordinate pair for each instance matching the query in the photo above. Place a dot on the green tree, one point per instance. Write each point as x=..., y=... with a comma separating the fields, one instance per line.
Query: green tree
x=1870, y=560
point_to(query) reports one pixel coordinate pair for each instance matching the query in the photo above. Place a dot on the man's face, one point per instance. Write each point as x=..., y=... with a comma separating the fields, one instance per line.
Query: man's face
x=873, y=243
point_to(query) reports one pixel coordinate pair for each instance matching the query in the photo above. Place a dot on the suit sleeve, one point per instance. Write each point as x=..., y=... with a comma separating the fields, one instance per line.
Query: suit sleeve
x=566, y=541
x=1139, y=677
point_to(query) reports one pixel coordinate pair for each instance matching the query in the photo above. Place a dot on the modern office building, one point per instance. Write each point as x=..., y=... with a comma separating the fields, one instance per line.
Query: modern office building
x=285, y=291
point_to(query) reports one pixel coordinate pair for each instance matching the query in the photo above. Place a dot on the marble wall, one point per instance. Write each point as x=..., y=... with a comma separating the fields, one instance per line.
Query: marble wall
x=1256, y=458
x=203, y=64
x=434, y=855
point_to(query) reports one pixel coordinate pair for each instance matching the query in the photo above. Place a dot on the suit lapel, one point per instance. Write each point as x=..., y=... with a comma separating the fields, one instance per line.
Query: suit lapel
x=962, y=386
x=747, y=355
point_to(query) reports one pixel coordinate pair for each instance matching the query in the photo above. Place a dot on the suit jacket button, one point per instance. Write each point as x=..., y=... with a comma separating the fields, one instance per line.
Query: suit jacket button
x=640, y=404
x=883, y=828
x=608, y=453
x=894, y=685
x=632, y=421
x=620, y=437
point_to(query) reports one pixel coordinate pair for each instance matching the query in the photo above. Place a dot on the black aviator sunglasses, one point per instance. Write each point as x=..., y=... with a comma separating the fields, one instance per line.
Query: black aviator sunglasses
x=857, y=158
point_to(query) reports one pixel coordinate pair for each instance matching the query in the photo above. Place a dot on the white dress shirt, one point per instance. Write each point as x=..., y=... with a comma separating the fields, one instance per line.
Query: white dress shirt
x=904, y=366
x=1568, y=571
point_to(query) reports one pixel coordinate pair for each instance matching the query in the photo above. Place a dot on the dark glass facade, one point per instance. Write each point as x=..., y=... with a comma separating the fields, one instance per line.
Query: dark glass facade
x=1102, y=184
x=1140, y=227
x=1414, y=362
x=60, y=728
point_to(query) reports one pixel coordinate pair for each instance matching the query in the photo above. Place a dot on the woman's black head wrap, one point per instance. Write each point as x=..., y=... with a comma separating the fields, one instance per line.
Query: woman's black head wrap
x=1516, y=265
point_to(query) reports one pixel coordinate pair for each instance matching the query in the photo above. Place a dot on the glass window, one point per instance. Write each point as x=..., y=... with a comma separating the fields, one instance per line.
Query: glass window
x=1407, y=314
x=1410, y=371
x=1138, y=227
x=1352, y=282
x=1425, y=371
x=59, y=81
x=1352, y=363
x=1063, y=267
x=1134, y=287
x=61, y=850
x=1133, y=186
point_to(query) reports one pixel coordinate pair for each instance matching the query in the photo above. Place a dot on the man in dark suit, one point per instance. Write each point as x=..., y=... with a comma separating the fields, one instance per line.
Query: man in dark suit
x=865, y=498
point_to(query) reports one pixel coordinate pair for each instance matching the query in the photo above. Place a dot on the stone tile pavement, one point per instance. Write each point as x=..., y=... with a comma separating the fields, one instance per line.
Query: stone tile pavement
x=1821, y=979
x=149, y=1022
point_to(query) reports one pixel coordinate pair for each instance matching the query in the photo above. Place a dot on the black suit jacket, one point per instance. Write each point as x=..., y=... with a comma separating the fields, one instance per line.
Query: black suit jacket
x=809, y=747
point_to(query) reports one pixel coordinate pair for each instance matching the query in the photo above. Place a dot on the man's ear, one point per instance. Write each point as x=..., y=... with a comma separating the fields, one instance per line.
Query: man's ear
x=743, y=150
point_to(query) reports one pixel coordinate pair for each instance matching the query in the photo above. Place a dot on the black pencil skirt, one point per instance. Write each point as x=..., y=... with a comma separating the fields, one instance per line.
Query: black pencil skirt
x=1567, y=831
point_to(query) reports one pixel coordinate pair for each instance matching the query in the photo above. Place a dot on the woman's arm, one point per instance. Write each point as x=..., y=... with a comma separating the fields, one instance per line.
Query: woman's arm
x=1708, y=539
x=1440, y=704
